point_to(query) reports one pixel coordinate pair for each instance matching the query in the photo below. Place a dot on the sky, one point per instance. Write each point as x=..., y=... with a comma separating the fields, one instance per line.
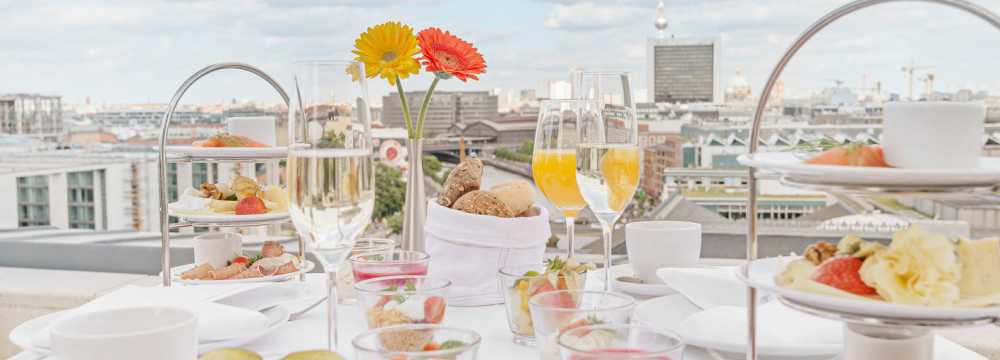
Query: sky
x=116, y=52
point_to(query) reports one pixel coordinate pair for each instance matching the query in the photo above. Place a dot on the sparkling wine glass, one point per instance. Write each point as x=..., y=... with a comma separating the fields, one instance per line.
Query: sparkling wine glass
x=607, y=156
x=330, y=174
x=553, y=161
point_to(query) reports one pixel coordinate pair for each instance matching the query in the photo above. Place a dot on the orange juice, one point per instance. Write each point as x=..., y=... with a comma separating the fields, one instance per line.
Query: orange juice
x=620, y=169
x=555, y=174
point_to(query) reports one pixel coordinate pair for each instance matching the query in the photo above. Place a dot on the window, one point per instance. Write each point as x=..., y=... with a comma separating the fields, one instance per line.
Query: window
x=80, y=187
x=33, y=201
x=172, y=182
x=199, y=174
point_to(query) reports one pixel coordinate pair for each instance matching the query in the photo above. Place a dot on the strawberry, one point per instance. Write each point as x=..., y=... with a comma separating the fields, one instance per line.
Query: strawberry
x=851, y=155
x=431, y=346
x=842, y=273
x=434, y=310
x=250, y=205
x=241, y=260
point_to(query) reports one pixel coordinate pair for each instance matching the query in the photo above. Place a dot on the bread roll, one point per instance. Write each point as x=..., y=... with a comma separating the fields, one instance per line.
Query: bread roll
x=483, y=203
x=517, y=194
x=463, y=179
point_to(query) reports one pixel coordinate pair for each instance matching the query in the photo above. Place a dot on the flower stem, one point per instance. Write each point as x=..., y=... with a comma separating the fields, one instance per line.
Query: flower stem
x=406, y=109
x=423, y=107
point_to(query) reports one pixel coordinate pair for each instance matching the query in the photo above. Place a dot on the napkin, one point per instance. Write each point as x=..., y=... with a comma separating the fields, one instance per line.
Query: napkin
x=707, y=287
x=215, y=321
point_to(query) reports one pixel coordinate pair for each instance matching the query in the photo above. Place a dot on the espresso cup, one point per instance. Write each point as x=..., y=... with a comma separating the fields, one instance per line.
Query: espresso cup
x=653, y=245
x=217, y=249
x=933, y=134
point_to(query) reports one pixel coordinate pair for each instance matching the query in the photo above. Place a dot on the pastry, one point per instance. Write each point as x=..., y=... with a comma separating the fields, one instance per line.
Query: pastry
x=517, y=194
x=463, y=179
x=483, y=203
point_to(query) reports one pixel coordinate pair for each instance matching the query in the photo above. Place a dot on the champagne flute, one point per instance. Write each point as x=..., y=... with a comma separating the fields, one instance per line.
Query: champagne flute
x=330, y=173
x=553, y=161
x=607, y=157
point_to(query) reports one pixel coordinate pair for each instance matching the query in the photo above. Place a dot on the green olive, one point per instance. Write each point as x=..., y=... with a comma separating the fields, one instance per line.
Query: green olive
x=230, y=354
x=313, y=355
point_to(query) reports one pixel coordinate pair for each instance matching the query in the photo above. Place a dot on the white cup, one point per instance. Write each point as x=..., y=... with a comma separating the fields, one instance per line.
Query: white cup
x=933, y=134
x=148, y=333
x=653, y=245
x=259, y=128
x=217, y=249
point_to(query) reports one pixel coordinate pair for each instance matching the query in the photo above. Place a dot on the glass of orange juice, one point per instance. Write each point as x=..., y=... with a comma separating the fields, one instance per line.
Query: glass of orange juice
x=553, y=163
x=608, y=161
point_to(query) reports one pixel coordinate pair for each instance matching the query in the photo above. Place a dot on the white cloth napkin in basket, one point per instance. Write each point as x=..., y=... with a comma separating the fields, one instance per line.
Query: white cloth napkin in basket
x=469, y=249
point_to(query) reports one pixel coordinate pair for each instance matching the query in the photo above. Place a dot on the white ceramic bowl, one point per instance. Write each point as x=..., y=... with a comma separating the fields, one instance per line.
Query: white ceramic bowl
x=148, y=333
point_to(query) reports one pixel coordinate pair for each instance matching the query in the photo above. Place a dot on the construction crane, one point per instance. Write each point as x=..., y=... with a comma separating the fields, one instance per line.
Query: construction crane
x=909, y=70
x=928, y=85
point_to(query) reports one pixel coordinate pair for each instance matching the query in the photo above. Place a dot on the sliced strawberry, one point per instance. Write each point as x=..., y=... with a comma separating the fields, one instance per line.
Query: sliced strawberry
x=250, y=205
x=434, y=308
x=543, y=287
x=431, y=346
x=842, y=273
x=382, y=301
x=240, y=260
x=574, y=325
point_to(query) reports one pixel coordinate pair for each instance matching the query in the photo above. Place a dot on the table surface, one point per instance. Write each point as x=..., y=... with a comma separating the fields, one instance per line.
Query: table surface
x=309, y=332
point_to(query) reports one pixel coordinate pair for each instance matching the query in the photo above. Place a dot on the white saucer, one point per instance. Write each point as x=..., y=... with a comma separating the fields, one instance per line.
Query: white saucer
x=665, y=312
x=792, y=166
x=216, y=218
x=307, y=266
x=641, y=289
x=761, y=276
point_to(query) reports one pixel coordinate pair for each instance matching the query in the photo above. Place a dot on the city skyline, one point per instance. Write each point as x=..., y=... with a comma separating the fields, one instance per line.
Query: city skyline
x=117, y=53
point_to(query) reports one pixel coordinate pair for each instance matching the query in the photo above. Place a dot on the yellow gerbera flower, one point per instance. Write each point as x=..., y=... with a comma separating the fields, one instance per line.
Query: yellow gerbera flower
x=388, y=51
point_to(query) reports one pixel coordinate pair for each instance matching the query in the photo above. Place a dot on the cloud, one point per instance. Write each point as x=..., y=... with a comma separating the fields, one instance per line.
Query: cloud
x=590, y=16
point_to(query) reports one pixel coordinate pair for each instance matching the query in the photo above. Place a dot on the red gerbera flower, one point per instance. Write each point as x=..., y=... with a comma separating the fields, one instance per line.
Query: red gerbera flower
x=446, y=54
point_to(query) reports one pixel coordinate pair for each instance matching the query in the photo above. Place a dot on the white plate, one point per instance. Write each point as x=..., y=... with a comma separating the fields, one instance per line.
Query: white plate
x=229, y=153
x=665, y=312
x=307, y=266
x=641, y=289
x=761, y=276
x=23, y=335
x=224, y=218
x=723, y=328
x=791, y=165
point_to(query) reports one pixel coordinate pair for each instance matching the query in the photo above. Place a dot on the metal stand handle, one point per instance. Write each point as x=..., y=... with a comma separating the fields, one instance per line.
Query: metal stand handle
x=820, y=24
x=165, y=126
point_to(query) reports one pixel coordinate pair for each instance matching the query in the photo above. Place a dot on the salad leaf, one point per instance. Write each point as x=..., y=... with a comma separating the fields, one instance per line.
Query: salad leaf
x=451, y=344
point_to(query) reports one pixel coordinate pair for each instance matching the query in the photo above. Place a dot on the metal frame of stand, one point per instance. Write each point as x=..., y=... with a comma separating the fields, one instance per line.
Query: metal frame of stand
x=751, y=243
x=165, y=227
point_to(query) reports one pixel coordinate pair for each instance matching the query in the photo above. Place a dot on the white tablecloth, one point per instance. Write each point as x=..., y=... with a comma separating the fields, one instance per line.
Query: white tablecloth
x=309, y=332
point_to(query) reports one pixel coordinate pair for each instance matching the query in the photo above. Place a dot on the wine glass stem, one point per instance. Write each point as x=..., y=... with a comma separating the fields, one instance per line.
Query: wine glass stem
x=570, y=236
x=331, y=310
x=606, y=229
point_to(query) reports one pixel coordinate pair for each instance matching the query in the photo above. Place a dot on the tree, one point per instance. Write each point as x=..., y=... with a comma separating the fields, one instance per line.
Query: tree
x=527, y=147
x=391, y=190
x=431, y=164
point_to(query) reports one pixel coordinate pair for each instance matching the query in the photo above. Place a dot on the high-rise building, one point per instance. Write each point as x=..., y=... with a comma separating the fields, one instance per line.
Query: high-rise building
x=31, y=114
x=682, y=70
x=446, y=108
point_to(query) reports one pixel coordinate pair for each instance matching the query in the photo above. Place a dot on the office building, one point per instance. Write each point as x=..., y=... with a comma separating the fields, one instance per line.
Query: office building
x=446, y=109
x=684, y=70
x=31, y=114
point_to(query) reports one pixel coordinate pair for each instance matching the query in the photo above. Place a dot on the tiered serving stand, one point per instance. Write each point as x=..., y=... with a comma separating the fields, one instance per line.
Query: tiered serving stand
x=166, y=156
x=864, y=322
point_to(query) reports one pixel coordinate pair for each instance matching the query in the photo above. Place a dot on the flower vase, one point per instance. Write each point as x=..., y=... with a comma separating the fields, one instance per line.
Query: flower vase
x=415, y=208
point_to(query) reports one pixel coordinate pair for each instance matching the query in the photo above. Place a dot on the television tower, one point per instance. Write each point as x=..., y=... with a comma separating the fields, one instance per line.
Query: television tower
x=661, y=20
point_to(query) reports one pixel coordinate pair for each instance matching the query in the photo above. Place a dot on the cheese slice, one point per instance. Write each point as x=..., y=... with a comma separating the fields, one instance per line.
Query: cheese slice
x=980, y=260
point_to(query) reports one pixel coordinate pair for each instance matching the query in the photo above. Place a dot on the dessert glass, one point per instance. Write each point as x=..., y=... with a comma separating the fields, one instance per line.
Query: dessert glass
x=416, y=341
x=404, y=299
x=345, y=275
x=619, y=342
x=390, y=263
x=517, y=288
x=555, y=312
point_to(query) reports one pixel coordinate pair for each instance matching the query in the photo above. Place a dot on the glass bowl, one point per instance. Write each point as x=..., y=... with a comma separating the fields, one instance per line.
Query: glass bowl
x=391, y=263
x=345, y=274
x=619, y=342
x=518, y=283
x=404, y=299
x=418, y=341
x=555, y=312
